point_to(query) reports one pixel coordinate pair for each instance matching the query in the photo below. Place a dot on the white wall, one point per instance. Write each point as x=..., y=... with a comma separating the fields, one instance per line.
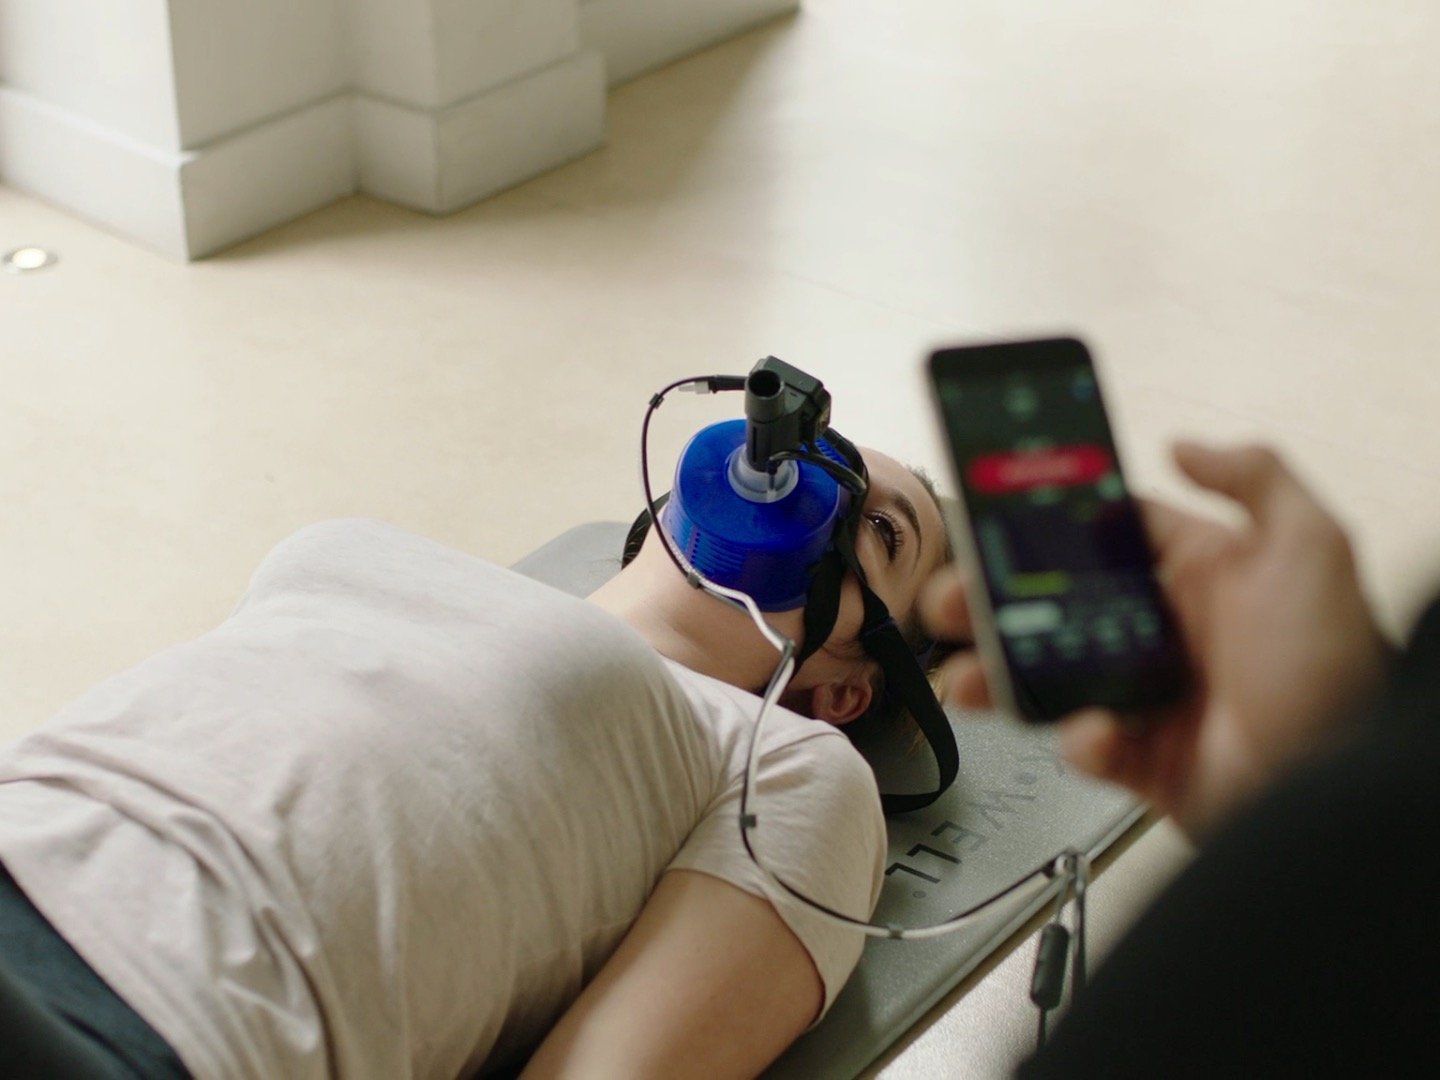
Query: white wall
x=483, y=43
x=391, y=50
x=637, y=36
x=107, y=61
x=192, y=124
x=434, y=53
x=238, y=62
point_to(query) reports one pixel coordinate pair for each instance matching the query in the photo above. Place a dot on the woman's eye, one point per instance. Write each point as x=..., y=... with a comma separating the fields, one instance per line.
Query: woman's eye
x=888, y=533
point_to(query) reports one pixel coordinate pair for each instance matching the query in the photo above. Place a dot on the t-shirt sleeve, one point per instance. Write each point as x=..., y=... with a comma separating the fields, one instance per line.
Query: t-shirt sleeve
x=820, y=829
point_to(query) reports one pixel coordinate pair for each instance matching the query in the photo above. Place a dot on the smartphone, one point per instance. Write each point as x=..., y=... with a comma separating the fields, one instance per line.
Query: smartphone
x=1066, y=607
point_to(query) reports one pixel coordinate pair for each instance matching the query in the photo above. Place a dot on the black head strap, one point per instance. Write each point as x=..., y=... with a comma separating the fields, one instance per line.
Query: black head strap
x=822, y=605
x=906, y=681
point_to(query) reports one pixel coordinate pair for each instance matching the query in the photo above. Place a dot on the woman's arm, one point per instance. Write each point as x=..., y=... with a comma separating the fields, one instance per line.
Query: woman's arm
x=708, y=982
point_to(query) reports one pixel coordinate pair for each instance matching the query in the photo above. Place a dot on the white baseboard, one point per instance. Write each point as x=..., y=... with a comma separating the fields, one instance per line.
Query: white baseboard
x=239, y=187
x=439, y=160
x=61, y=157
x=190, y=204
x=184, y=204
x=637, y=36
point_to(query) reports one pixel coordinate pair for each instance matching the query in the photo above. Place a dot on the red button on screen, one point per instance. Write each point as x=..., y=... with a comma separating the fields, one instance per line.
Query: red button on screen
x=1058, y=466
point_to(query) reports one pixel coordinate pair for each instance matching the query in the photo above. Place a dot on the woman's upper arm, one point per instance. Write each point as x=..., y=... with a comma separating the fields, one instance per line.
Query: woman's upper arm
x=709, y=981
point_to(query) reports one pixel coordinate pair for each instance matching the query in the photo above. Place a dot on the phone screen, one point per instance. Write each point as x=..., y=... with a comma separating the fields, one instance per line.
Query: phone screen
x=1067, y=566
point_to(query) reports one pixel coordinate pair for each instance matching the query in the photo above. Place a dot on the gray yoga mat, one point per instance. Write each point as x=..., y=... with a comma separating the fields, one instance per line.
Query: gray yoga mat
x=1012, y=807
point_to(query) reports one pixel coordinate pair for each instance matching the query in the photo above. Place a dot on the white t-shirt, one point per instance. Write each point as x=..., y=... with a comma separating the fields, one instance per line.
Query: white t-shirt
x=393, y=814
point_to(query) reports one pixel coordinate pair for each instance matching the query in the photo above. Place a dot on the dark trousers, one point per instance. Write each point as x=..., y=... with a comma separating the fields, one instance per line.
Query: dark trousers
x=58, y=1018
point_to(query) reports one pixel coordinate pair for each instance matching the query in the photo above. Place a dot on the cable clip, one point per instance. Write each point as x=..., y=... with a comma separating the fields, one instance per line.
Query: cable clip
x=1047, y=981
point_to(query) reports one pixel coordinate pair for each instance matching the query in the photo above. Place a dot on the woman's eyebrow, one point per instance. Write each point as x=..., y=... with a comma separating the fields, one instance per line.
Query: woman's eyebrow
x=908, y=509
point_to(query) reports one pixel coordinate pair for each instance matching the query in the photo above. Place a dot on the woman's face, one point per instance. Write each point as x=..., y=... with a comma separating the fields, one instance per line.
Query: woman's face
x=900, y=542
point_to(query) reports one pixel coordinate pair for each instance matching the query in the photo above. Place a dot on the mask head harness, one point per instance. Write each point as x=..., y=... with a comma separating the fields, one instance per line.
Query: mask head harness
x=787, y=428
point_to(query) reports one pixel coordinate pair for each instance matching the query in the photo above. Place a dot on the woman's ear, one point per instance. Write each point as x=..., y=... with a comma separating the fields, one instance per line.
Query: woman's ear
x=839, y=703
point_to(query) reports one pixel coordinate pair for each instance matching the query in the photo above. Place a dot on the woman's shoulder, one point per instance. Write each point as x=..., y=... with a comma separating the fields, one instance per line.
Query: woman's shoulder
x=338, y=541
x=377, y=560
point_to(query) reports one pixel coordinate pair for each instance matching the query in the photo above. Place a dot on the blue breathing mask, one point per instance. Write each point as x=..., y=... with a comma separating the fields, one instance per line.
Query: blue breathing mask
x=760, y=533
x=769, y=506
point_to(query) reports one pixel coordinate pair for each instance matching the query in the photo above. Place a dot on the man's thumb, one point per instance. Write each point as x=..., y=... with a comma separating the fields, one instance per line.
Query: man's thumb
x=1251, y=475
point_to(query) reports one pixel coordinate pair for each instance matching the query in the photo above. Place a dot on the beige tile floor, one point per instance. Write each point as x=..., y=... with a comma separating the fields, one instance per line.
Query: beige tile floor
x=1235, y=203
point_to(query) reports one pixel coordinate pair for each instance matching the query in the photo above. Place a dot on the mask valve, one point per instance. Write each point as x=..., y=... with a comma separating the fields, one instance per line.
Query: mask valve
x=760, y=485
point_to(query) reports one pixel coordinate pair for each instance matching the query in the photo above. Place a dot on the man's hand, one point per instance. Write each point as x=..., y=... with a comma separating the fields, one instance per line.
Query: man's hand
x=1279, y=633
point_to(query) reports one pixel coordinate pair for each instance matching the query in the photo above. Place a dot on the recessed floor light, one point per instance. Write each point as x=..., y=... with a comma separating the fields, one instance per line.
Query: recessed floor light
x=24, y=259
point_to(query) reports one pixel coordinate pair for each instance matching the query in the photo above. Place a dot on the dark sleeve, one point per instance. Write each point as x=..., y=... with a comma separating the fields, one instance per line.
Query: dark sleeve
x=1305, y=938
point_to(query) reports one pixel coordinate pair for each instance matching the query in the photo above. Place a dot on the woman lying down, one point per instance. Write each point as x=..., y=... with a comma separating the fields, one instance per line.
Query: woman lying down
x=406, y=813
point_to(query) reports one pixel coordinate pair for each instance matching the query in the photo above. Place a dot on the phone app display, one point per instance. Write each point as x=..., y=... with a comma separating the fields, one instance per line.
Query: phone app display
x=1063, y=551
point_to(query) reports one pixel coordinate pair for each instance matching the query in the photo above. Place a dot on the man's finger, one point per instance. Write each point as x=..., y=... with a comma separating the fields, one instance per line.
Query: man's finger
x=1165, y=523
x=944, y=611
x=1254, y=476
x=1097, y=742
x=962, y=682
